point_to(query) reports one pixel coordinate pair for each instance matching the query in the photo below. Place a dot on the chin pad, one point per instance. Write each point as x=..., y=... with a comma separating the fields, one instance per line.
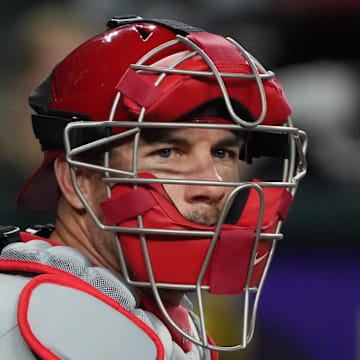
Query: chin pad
x=178, y=259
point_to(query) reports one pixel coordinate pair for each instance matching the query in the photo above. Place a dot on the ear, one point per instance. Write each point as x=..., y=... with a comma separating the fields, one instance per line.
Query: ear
x=62, y=173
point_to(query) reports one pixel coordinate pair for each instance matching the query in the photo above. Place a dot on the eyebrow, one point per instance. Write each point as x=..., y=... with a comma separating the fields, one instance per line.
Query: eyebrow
x=230, y=141
x=164, y=136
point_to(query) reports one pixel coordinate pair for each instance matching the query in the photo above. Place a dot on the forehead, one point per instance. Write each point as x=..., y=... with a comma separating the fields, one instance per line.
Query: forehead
x=149, y=136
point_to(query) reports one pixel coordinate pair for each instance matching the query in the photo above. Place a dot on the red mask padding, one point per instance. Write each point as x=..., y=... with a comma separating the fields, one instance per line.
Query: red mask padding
x=178, y=259
x=195, y=91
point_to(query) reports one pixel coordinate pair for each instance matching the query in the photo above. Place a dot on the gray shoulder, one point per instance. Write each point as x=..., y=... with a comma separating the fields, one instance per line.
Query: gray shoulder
x=12, y=344
x=105, y=332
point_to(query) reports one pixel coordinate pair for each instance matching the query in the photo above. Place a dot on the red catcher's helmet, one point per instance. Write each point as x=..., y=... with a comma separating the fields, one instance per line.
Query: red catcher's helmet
x=82, y=87
x=163, y=74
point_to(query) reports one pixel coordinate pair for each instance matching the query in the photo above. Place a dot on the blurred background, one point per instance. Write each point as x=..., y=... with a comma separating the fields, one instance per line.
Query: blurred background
x=310, y=308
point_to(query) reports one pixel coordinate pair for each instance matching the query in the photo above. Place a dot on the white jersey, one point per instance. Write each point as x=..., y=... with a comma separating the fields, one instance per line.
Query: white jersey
x=73, y=310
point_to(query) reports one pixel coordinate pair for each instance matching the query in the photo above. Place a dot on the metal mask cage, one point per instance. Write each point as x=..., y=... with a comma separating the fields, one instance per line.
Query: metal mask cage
x=294, y=169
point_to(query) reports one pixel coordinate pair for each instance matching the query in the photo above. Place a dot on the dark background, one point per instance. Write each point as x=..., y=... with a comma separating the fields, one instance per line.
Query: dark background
x=310, y=307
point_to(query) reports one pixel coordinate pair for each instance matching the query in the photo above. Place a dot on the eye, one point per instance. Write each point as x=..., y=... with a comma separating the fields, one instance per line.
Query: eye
x=164, y=153
x=220, y=153
x=223, y=154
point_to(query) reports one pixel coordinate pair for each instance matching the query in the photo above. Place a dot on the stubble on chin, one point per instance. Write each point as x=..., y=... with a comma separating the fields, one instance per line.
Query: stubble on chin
x=207, y=217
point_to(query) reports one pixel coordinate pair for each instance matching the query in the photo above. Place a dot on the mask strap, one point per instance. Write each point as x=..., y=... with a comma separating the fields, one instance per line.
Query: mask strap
x=232, y=248
x=143, y=92
x=122, y=207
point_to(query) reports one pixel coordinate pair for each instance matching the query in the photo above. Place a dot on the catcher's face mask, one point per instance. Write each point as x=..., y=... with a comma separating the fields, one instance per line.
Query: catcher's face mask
x=185, y=79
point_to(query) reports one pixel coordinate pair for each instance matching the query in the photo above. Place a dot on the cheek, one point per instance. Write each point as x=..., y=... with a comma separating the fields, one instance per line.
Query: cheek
x=230, y=172
x=121, y=157
x=97, y=195
x=176, y=194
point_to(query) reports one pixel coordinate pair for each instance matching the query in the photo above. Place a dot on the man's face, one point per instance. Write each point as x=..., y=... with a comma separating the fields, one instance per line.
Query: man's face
x=191, y=154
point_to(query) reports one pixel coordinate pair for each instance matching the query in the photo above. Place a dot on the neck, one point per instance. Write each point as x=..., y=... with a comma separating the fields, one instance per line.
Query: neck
x=76, y=229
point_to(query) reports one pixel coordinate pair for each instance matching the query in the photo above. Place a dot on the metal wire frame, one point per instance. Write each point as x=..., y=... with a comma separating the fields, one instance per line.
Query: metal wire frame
x=130, y=177
x=291, y=176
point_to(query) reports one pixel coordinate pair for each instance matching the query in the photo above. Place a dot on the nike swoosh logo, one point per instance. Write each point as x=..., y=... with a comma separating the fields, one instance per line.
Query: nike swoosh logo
x=257, y=260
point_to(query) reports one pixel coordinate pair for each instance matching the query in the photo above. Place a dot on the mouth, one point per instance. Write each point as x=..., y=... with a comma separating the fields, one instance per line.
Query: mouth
x=204, y=216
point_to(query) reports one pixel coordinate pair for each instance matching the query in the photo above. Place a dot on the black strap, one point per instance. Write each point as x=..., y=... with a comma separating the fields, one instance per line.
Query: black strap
x=49, y=129
x=43, y=231
x=40, y=97
x=176, y=26
x=9, y=234
x=254, y=144
x=257, y=144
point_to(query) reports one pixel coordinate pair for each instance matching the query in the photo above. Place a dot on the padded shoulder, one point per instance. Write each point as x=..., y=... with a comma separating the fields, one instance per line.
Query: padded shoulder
x=12, y=344
x=39, y=256
x=72, y=310
x=61, y=319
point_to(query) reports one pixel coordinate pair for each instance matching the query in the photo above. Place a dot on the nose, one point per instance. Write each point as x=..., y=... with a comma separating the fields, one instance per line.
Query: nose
x=204, y=169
